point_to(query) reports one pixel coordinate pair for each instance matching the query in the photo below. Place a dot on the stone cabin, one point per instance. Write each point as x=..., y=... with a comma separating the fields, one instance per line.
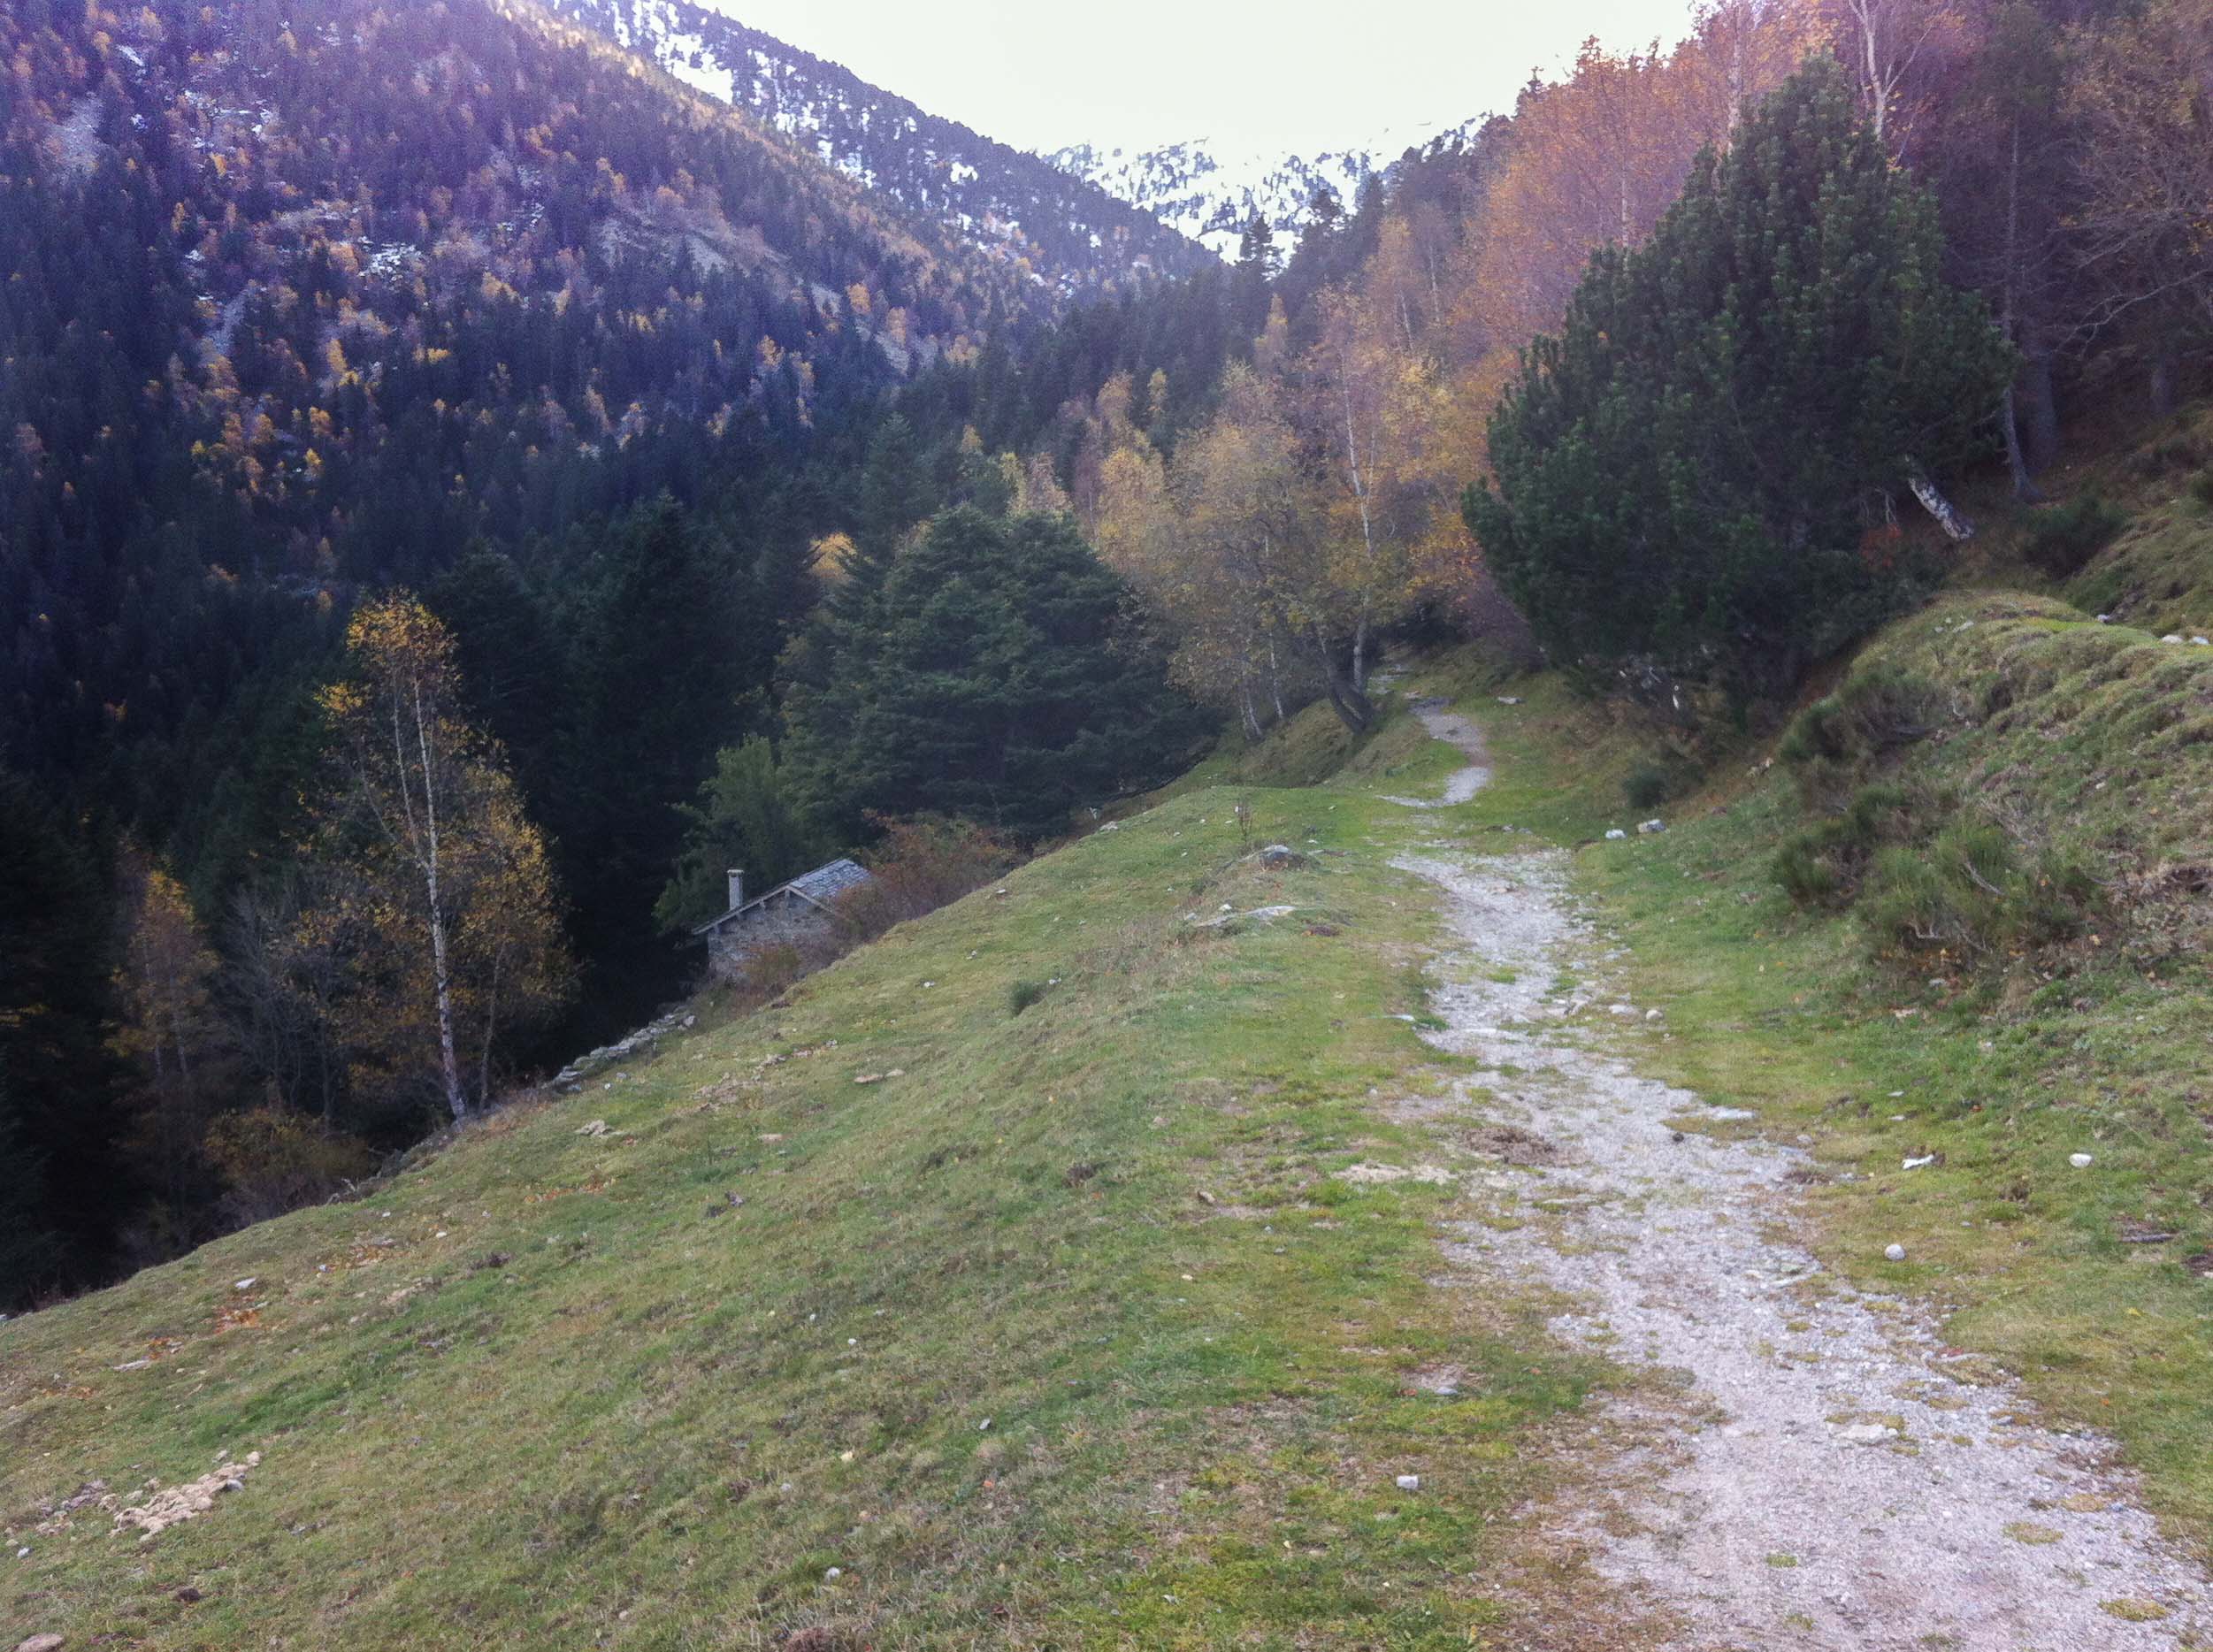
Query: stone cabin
x=787, y=915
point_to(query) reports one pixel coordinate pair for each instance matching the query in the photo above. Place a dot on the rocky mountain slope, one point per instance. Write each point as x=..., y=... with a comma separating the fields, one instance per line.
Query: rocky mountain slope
x=1078, y=218
x=1067, y=232
x=1210, y=194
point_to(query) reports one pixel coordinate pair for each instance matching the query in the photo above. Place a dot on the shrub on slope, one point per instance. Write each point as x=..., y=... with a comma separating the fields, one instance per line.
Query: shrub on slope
x=2001, y=781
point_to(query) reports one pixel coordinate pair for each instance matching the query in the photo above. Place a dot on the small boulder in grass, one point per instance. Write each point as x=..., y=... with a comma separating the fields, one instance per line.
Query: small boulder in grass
x=1408, y=1482
x=2081, y=1161
x=1894, y=1253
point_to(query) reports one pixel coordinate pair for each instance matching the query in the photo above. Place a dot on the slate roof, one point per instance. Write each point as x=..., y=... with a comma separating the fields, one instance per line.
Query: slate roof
x=820, y=886
x=827, y=882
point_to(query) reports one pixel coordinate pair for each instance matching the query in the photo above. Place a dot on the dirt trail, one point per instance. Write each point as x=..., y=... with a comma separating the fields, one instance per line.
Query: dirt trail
x=1454, y=730
x=1810, y=1466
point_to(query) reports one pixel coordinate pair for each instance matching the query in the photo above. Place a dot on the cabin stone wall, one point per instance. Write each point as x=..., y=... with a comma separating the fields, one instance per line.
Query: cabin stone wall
x=790, y=922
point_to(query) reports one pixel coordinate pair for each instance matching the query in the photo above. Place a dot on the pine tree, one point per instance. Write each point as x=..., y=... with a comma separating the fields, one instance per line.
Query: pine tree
x=671, y=641
x=1256, y=266
x=59, y=1114
x=745, y=819
x=512, y=657
x=32, y=1254
x=1700, y=468
x=896, y=493
x=1005, y=684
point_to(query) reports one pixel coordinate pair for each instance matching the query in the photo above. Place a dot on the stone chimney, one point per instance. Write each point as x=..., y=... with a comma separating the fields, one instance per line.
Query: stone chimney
x=737, y=876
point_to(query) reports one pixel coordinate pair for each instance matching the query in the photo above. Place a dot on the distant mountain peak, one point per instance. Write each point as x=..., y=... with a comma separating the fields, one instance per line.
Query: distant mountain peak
x=1210, y=191
x=1067, y=233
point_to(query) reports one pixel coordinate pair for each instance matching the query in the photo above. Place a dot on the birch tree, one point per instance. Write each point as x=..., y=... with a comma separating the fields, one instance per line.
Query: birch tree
x=1374, y=407
x=165, y=1014
x=1254, y=538
x=1888, y=43
x=446, y=912
x=1206, y=592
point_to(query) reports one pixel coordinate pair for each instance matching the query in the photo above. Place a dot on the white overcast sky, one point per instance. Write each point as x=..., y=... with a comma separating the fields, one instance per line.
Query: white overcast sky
x=1295, y=76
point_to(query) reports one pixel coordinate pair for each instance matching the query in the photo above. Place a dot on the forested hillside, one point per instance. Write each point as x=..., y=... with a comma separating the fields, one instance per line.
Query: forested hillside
x=310, y=300
x=308, y=303
x=699, y=501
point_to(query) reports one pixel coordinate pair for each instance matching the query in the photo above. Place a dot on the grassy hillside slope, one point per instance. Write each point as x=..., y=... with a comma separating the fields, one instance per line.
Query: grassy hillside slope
x=2157, y=574
x=889, y=1317
x=995, y=1289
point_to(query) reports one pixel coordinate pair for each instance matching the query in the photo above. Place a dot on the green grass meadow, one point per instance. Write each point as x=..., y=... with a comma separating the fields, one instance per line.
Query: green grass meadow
x=1058, y=1333
x=994, y=1288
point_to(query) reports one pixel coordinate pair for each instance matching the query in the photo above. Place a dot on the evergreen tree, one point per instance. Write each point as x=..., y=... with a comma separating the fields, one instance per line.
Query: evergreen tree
x=513, y=660
x=895, y=493
x=744, y=819
x=1255, y=266
x=1256, y=244
x=1005, y=685
x=31, y=1256
x=1701, y=468
x=671, y=641
x=60, y=1118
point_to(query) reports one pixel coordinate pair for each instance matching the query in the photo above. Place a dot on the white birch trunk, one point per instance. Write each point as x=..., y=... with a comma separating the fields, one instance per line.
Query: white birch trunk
x=441, y=973
x=1367, y=527
x=1948, y=514
x=491, y=1030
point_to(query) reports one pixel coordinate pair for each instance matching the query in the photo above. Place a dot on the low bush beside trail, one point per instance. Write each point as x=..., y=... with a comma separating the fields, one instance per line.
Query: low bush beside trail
x=2001, y=781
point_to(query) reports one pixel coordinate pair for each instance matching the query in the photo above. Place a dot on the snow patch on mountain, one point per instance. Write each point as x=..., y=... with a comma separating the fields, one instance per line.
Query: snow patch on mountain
x=1210, y=194
x=1060, y=229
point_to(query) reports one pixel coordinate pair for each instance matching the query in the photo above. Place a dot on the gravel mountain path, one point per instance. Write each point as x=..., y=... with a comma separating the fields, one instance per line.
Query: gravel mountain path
x=1458, y=732
x=1806, y=1465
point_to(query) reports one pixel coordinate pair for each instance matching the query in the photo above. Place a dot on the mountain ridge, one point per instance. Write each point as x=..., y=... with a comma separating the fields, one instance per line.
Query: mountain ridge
x=1210, y=194
x=1065, y=232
